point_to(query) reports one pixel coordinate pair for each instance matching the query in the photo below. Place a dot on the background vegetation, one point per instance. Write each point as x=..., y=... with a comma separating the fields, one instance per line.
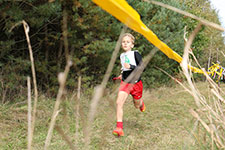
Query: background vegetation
x=92, y=35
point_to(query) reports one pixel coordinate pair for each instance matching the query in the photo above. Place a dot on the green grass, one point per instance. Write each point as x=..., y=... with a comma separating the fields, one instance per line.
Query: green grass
x=165, y=125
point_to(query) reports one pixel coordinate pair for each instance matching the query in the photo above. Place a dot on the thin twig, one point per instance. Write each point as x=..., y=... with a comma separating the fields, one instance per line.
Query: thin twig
x=195, y=114
x=62, y=80
x=184, y=63
x=29, y=137
x=26, y=30
x=77, y=109
x=186, y=89
x=65, y=137
x=100, y=88
x=65, y=34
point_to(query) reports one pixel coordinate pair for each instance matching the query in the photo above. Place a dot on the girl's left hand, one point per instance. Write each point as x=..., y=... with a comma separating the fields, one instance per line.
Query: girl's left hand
x=127, y=66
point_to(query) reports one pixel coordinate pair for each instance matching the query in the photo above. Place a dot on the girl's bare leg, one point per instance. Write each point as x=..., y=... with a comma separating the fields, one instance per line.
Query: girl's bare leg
x=122, y=96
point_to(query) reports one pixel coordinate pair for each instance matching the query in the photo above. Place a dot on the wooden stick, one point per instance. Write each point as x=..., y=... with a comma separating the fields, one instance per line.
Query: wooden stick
x=65, y=137
x=26, y=29
x=29, y=119
x=62, y=80
x=99, y=90
x=77, y=108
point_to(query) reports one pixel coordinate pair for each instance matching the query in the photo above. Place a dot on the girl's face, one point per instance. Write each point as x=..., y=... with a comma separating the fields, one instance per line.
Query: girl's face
x=127, y=43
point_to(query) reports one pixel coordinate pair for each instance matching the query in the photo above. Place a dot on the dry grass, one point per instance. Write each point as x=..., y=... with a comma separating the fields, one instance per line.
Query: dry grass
x=166, y=124
x=210, y=111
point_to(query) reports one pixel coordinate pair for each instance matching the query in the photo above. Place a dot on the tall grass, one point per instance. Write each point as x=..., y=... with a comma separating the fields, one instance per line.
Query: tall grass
x=210, y=112
x=167, y=123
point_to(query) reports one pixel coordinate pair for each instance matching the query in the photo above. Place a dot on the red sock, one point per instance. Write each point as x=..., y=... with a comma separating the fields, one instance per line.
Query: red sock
x=119, y=125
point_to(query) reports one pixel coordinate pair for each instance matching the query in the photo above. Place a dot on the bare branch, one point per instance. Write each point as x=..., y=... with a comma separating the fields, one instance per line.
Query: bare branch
x=29, y=119
x=62, y=80
x=65, y=137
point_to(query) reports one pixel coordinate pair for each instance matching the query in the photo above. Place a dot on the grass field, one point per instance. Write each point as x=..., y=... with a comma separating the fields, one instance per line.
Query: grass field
x=165, y=125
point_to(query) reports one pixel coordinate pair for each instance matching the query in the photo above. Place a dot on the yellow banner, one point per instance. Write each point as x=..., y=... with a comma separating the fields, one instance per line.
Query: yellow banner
x=127, y=15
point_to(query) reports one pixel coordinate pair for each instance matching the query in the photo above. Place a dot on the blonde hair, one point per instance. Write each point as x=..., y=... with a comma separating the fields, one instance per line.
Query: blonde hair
x=129, y=35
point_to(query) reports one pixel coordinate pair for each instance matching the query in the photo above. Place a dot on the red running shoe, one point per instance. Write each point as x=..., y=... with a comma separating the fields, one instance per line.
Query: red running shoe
x=142, y=107
x=118, y=132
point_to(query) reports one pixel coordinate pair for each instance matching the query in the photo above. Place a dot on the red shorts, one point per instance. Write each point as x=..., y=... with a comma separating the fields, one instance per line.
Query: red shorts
x=134, y=89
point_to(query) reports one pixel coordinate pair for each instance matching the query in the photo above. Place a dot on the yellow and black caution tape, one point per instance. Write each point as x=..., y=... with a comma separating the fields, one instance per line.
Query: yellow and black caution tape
x=216, y=71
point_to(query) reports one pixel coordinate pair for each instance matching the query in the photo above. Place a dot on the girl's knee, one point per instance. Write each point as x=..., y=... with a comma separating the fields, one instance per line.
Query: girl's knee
x=119, y=102
x=122, y=96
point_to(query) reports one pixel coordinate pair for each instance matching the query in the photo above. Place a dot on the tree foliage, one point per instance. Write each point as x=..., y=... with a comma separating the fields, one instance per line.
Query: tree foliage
x=209, y=42
x=92, y=34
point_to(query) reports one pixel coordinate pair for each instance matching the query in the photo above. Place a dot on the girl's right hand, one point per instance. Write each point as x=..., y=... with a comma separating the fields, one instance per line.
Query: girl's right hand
x=118, y=78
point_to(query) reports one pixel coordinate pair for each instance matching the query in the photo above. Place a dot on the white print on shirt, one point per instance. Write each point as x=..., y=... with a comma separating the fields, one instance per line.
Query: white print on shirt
x=127, y=57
